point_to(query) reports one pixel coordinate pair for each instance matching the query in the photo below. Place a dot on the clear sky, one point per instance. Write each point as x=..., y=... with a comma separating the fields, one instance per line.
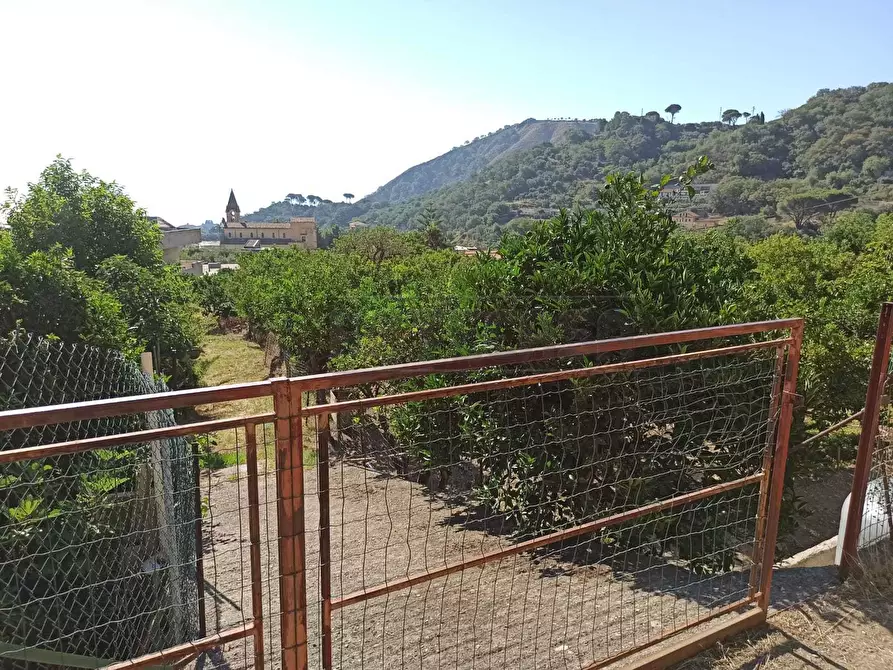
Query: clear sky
x=181, y=100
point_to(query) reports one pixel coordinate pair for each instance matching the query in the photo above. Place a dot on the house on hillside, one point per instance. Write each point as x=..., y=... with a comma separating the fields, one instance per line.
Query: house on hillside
x=674, y=189
x=473, y=251
x=692, y=220
x=300, y=231
x=199, y=268
x=174, y=238
x=688, y=216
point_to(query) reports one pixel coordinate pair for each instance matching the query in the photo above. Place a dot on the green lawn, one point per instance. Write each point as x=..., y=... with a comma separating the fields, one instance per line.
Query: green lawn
x=232, y=359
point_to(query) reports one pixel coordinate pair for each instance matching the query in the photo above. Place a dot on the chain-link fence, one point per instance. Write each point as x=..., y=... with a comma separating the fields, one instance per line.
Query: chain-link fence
x=97, y=549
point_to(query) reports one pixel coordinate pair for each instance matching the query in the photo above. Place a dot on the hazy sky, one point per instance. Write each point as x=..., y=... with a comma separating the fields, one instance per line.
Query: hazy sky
x=180, y=101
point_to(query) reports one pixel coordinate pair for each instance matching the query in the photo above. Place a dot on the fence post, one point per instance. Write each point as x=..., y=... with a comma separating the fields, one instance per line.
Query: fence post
x=290, y=508
x=760, y=534
x=146, y=364
x=257, y=603
x=779, y=461
x=199, y=540
x=870, y=417
x=325, y=558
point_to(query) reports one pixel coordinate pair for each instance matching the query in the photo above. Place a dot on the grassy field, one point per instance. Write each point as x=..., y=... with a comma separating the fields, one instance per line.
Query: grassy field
x=230, y=359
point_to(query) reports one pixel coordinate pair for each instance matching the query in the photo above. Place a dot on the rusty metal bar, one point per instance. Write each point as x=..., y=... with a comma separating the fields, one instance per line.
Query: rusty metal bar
x=257, y=603
x=542, y=378
x=110, y=441
x=186, y=661
x=830, y=429
x=767, y=470
x=199, y=542
x=325, y=543
x=177, y=653
x=100, y=409
x=873, y=399
x=331, y=380
x=290, y=504
x=694, y=644
x=888, y=499
x=536, y=543
x=779, y=460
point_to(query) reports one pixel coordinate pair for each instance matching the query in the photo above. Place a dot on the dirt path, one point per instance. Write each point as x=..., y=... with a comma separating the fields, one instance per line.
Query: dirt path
x=823, y=495
x=848, y=626
x=544, y=610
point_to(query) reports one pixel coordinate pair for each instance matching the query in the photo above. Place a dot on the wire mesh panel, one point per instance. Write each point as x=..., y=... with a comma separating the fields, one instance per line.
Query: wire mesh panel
x=875, y=539
x=867, y=529
x=554, y=515
x=104, y=577
x=87, y=566
x=115, y=545
x=540, y=508
x=876, y=536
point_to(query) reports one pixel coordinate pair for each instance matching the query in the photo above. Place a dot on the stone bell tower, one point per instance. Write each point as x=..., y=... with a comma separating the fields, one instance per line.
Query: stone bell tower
x=232, y=209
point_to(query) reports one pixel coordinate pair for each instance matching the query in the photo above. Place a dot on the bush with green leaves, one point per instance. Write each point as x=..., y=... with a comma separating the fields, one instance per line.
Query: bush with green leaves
x=621, y=268
x=214, y=295
x=839, y=294
x=160, y=307
x=42, y=292
x=101, y=259
x=752, y=228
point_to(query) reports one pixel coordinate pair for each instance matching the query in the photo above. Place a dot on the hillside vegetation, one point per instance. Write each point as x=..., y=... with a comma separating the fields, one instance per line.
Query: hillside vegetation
x=382, y=297
x=840, y=139
x=462, y=162
x=456, y=165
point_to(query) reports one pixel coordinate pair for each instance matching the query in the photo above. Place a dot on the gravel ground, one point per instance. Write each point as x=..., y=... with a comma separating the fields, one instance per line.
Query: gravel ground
x=840, y=627
x=533, y=610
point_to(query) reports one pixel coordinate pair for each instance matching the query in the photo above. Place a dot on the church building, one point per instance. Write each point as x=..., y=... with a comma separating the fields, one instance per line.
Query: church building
x=300, y=231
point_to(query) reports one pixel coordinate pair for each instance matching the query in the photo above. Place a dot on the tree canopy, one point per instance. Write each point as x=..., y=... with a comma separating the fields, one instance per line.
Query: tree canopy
x=806, y=207
x=92, y=218
x=673, y=110
x=731, y=116
x=81, y=262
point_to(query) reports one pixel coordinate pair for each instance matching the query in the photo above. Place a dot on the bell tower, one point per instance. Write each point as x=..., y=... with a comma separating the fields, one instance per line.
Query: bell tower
x=232, y=209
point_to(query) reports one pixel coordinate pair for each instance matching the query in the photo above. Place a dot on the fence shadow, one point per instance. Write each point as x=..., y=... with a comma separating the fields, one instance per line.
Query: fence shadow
x=816, y=622
x=788, y=647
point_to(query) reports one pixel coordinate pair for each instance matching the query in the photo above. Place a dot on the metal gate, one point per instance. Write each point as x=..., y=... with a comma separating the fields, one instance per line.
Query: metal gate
x=564, y=506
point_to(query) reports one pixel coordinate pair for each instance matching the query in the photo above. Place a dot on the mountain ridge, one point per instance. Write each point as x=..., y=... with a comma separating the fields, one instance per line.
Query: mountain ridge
x=462, y=162
x=837, y=139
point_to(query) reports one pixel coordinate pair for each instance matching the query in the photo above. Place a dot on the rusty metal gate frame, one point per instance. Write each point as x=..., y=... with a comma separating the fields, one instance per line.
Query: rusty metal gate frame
x=770, y=478
x=288, y=418
x=870, y=416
